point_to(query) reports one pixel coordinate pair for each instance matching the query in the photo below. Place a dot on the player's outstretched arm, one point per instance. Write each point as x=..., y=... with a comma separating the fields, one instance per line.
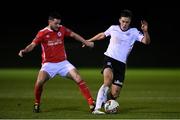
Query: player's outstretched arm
x=28, y=48
x=81, y=39
x=99, y=36
x=144, y=26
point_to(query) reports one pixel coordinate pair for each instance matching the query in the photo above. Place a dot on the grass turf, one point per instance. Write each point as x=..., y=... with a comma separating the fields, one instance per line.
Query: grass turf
x=146, y=94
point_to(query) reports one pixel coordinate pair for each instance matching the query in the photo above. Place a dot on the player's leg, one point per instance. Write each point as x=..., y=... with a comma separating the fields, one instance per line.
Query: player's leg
x=115, y=88
x=74, y=75
x=41, y=79
x=38, y=88
x=102, y=93
x=118, y=80
x=68, y=70
x=115, y=92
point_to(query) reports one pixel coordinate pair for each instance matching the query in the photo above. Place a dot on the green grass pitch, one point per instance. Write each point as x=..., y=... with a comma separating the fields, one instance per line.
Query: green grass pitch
x=146, y=94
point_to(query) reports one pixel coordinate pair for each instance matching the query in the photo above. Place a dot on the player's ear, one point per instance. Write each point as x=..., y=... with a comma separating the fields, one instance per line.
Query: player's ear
x=119, y=20
x=49, y=21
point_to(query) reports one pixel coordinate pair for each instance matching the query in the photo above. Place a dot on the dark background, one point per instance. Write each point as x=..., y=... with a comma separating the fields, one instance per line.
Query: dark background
x=20, y=22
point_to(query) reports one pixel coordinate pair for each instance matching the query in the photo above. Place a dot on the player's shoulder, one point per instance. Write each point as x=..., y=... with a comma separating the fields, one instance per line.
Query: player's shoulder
x=45, y=30
x=133, y=30
x=63, y=28
x=114, y=27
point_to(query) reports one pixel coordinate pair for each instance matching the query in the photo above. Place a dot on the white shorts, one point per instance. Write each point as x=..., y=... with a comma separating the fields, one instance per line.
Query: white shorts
x=60, y=68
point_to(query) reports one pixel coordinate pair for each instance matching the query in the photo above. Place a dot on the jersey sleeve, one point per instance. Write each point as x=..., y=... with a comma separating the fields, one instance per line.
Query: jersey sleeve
x=108, y=31
x=139, y=35
x=38, y=38
x=67, y=31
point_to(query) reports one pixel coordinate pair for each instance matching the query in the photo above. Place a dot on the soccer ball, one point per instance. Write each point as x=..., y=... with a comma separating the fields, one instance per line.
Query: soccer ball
x=111, y=106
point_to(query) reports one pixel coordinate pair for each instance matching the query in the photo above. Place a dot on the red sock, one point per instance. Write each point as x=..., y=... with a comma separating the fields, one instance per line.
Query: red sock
x=37, y=91
x=85, y=91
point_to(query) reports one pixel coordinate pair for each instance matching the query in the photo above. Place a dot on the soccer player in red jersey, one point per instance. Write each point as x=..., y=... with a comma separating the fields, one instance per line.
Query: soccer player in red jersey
x=54, y=60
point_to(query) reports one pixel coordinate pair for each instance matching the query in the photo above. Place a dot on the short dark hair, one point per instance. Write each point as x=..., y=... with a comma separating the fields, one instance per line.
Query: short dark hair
x=126, y=13
x=54, y=15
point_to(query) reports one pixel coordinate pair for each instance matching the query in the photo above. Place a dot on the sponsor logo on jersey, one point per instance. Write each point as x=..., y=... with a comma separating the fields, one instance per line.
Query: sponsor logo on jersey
x=54, y=42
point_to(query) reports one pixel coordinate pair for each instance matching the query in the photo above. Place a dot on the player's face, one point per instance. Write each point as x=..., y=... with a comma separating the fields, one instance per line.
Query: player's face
x=124, y=23
x=54, y=24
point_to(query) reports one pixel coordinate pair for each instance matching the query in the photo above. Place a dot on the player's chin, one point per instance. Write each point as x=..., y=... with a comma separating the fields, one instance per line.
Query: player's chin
x=55, y=28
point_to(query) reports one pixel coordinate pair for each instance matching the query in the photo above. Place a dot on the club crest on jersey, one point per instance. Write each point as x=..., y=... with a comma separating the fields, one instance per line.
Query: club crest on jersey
x=59, y=34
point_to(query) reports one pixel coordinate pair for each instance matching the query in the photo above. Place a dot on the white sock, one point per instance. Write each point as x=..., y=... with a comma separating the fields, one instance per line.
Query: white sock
x=102, y=96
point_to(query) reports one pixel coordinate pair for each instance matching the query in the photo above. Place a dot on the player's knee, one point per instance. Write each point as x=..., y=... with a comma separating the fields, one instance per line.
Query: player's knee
x=40, y=82
x=74, y=74
x=77, y=78
x=108, y=76
x=107, y=81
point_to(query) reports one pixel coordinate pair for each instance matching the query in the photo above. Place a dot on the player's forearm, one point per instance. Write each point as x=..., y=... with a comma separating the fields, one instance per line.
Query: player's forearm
x=78, y=37
x=29, y=48
x=99, y=36
x=146, y=39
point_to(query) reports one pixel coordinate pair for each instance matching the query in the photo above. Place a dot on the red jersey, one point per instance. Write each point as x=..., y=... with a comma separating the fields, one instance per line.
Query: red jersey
x=52, y=44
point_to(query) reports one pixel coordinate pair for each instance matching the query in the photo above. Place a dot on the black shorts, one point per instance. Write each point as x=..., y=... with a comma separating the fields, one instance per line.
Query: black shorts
x=118, y=69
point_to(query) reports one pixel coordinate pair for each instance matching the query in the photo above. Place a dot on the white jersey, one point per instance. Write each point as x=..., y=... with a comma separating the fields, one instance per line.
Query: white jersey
x=121, y=42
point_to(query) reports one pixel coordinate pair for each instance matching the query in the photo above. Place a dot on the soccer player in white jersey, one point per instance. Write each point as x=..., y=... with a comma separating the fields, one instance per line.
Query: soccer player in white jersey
x=54, y=59
x=122, y=39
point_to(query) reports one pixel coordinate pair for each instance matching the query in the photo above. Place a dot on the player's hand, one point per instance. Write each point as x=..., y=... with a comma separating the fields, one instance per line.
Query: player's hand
x=88, y=44
x=21, y=53
x=83, y=45
x=91, y=44
x=144, y=26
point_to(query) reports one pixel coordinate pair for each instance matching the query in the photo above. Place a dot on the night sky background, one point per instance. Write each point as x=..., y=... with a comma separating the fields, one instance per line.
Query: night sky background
x=21, y=21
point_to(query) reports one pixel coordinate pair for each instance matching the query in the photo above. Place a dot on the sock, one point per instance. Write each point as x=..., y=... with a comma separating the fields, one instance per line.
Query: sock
x=101, y=97
x=37, y=91
x=85, y=91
